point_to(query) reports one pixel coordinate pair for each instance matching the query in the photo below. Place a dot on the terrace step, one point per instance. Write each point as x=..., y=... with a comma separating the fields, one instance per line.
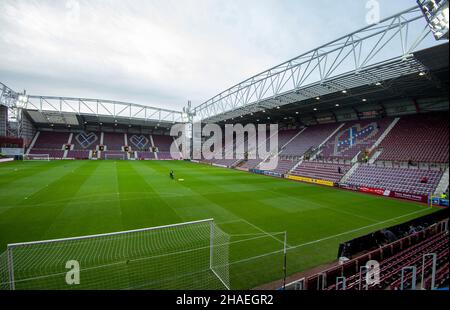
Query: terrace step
x=319, y=147
x=296, y=165
x=375, y=156
x=153, y=145
x=33, y=142
x=443, y=183
x=68, y=142
x=350, y=172
x=385, y=133
x=292, y=139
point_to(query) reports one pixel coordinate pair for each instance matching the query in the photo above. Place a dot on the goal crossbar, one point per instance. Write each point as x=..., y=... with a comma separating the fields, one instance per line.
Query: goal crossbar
x=13, y=245
x=185, y=249
x=115, y=156
x=31, y=157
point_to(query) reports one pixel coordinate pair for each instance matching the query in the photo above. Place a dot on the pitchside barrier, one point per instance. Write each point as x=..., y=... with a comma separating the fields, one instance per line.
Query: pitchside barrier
x=191, y=255
x=387, y=193
x=438, y=201
x=265, y=172
x=357, y=245
x=310, y=180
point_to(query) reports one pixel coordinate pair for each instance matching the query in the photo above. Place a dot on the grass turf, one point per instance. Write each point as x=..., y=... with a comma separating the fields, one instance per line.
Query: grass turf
x=58, y=199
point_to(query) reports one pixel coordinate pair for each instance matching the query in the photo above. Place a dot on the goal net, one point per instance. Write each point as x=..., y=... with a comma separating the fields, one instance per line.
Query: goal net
x=114, y=156
x=187, y=256
x=36, y=157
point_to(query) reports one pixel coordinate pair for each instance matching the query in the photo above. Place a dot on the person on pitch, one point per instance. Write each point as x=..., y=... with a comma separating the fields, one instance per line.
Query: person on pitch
x=171, y=174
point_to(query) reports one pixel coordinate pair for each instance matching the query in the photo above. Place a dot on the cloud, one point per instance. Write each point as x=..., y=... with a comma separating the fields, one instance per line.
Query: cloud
x=161, y=53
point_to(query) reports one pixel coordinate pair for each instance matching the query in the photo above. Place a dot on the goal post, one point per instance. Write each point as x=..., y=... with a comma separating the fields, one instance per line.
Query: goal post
x=115, y=156
x=186, y=256
x=36, y=157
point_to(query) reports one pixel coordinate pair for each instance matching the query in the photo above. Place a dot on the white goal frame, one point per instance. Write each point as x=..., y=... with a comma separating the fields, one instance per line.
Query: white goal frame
x=36, y=157
x=115, y=156
x=10, y=247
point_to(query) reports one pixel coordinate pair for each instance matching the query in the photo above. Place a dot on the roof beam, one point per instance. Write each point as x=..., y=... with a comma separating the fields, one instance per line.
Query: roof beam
x=307, y=74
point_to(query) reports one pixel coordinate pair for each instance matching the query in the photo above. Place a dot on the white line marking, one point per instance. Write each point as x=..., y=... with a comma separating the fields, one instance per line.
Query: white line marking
x=228, y=222
x=265, y=232
x=352, y=214
x=327, y=238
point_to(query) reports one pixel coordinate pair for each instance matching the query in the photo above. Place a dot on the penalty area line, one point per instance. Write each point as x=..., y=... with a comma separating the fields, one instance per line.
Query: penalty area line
x=327, y=238
x=264, y=232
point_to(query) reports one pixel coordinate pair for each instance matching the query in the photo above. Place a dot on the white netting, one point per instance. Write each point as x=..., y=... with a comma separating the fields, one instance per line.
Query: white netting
x=4, y=278
x=115, y=156
x=172, y=257
x=36, y=157
x=220, y=255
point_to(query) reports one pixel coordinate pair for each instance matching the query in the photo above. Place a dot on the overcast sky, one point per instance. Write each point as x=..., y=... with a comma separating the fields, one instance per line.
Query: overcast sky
x=162, y=52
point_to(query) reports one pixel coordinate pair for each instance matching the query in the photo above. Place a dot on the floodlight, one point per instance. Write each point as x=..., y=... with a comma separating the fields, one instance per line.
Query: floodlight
x=23, y=98
x=436, y=14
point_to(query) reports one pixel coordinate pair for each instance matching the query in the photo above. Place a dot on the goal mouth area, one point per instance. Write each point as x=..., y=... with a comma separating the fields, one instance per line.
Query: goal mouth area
x=36, y=157
x=114, y=157
x=190, y=255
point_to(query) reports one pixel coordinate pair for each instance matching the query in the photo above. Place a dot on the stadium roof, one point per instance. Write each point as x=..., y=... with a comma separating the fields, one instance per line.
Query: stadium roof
x=430, y=83
x=8, y=97
x=379, y=62
x=377, y=59
x=75, y=112
x=79, y=111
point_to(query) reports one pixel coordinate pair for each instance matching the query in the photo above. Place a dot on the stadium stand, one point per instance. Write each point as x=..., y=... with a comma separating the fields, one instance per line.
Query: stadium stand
x=51, y=140
x=321, y=170
x=418, y=138
x=392, y=257
x=284, y=166
x=163, y=143
x=396, y=179
x=113, y=155
x=354, y=137
x=51, y=143
x=83, y=143
x=53, y=154
x=139, y=142
x=145, y=155
x=310, y=138
x=113, y=141
x=78, y=154
x=86, y=140
x=251, y=164
x=168, y=156
x=284, y=136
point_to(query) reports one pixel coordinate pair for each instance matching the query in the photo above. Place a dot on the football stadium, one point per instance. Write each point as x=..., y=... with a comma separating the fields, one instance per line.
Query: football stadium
x=97, y=194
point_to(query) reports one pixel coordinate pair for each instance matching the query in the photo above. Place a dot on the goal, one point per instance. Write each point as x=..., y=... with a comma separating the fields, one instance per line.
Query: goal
x=185, y=256
x=36, y=157
x=114, y=156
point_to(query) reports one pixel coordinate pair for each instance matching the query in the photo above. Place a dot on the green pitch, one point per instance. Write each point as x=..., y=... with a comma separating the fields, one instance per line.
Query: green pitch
x=59, y=199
